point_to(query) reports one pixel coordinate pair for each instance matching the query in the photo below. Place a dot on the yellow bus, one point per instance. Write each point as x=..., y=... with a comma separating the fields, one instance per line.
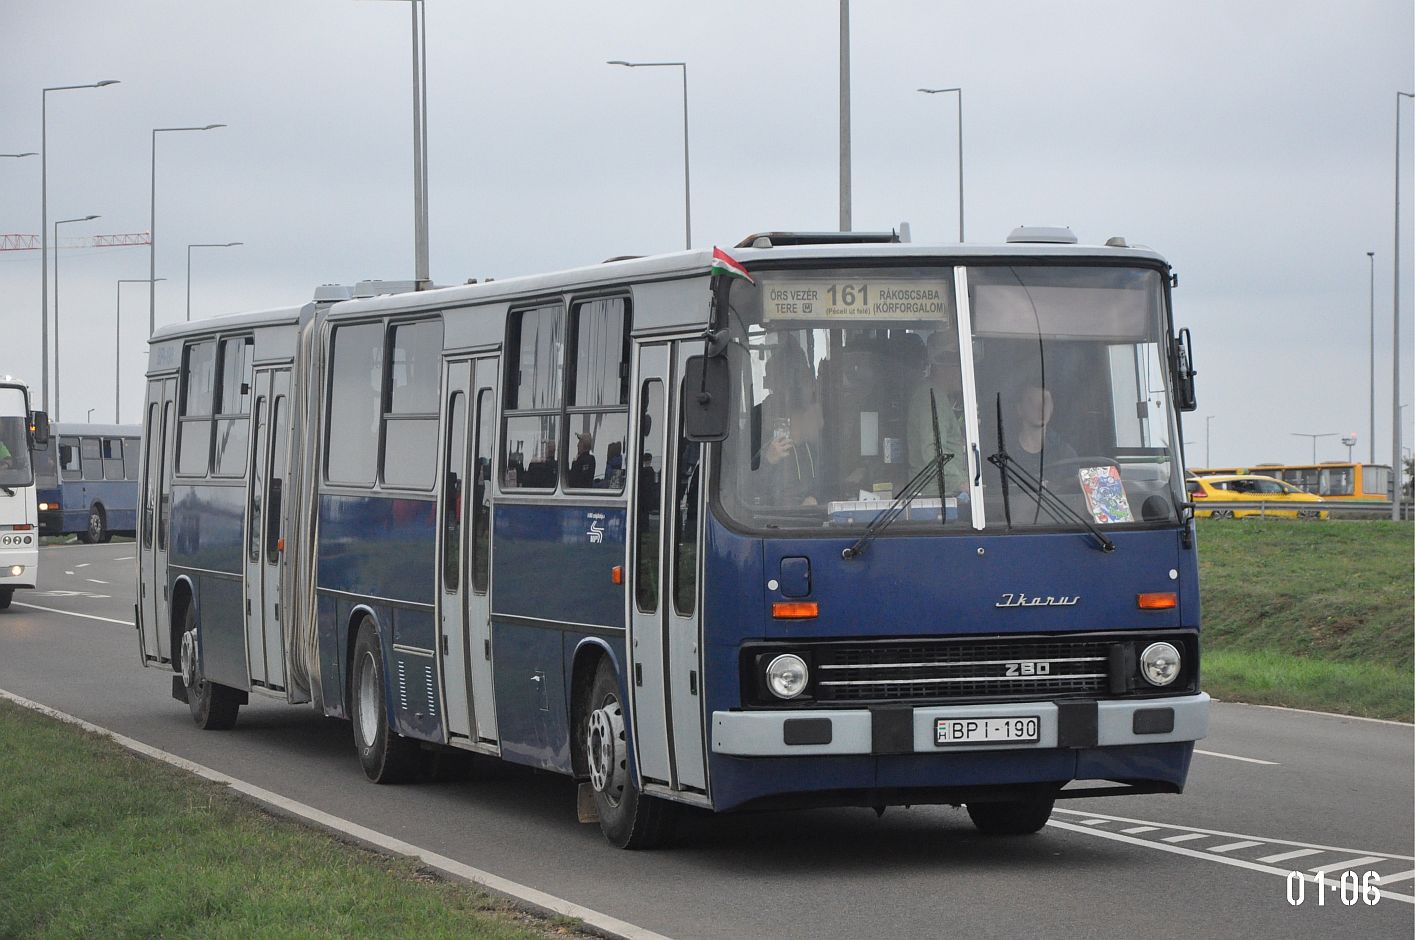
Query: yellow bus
x=1338, y=481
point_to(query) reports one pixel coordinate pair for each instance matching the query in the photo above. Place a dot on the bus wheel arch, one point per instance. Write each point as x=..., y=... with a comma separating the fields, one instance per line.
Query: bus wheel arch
x=629, y=818
x=386, y=756
x=583, y=670
x=182, y=597
x=214, y=706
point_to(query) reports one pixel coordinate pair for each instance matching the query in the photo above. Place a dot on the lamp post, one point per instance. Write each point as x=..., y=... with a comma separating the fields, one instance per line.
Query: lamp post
x=1395, y=320
x=44, y=229
x=421, y=273
x=1349, y=440
x=1372, y=256
x=29, y=153
x=189, y=267
x=118, y=341
x=959, y=91
x=82, y=218
x=1207, y=453
x=687, y=189
x=845, y=196
x=1314, y=440
x=152, y=223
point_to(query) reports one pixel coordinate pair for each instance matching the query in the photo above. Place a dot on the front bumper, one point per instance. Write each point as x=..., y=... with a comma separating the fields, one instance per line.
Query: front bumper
x=906, y=730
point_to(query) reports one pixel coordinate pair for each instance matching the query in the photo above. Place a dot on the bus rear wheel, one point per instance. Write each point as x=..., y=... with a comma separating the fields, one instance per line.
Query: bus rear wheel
x=214, y=706
x=1013, y=817
x=97, y=531
x=628, y=818
x=386, y=756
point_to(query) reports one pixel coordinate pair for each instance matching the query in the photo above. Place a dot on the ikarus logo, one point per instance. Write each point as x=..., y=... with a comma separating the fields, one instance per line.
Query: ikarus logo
x=1022, y=600
x=596, y=530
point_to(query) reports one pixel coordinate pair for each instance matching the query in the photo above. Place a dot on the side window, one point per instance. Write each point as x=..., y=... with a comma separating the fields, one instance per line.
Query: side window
x=534, y=396
x=233, y=406
x=92, y=461
x=685, y=524
x=410, y=415
x=69, y=464
x=647, y=512
x=132, y=457
x=112, y=449
x=355, y=395
x=256, y=495
x=154, y=448
x=481, y=493
x=279, y=436
x=453, y=491
x=194, y=419
x=598, y=411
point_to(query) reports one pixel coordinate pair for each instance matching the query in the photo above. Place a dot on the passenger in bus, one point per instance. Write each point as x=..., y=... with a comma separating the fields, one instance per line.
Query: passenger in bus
x=543, y=472
x=787, y=424
x=945, y=382
x=1034, y=443
x=581, y=471
x=613, y=466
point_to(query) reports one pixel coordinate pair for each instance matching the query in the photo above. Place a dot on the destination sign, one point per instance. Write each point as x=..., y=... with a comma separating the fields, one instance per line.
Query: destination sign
x=872, y=299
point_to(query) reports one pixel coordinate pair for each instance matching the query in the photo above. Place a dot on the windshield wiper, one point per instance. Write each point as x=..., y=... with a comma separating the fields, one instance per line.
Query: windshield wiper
x=1054, y=505
x=8, y=491
x=897, y=506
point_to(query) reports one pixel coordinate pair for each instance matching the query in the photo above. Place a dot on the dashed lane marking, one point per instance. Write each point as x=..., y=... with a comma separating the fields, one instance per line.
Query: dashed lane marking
x=1246, y=760
x=1391, y=868
x=527, y=896
x=95, y=581
x=70, y=613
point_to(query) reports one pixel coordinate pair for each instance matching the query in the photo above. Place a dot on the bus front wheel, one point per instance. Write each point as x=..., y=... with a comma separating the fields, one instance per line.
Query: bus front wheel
x=1013, y=817
x=214, y=706
x=97, y=531
x=386, y=756
x=5, y=595
x=628, y=818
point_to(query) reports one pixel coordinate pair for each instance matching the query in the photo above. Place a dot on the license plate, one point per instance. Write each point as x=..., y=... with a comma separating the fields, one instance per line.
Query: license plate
x=1012, y=729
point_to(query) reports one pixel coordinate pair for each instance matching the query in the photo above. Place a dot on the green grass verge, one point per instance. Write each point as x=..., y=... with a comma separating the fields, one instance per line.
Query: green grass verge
x=98, y=842
x=1316, y=615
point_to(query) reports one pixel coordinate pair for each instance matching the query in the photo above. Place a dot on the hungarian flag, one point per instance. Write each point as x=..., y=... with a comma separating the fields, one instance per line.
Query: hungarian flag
x=723, y=263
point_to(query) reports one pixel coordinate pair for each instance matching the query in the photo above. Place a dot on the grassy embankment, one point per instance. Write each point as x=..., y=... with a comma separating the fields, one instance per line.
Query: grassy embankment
x=98, y=842
x=1316, y=615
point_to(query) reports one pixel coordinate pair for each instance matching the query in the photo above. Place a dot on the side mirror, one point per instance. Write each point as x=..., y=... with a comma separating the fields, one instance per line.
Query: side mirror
x=38, y=430
x=1183, y=366
x=705, y=398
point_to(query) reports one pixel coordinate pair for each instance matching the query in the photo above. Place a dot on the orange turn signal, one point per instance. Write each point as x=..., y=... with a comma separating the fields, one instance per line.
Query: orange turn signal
x=280, y=544
x=1157, y=601
x=616, y=574
x=795, y=610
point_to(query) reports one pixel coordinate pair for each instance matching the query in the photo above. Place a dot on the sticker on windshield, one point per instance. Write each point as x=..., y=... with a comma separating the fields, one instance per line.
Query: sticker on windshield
x=892, y=299
x=1105, y=494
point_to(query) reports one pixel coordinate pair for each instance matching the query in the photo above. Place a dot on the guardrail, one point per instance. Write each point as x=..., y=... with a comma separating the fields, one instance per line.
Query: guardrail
x=1338, y=508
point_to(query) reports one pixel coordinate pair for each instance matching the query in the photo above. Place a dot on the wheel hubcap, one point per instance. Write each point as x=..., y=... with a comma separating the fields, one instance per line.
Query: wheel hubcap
x=368, y=700
x=189, y=658
x=95, y=526
x=606, y=734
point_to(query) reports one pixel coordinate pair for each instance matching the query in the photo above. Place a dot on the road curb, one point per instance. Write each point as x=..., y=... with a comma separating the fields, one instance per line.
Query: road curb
x=521, y=896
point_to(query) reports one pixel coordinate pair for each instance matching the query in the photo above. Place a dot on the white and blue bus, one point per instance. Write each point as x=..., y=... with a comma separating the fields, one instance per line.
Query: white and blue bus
x=22, y=432
x=875, y=524
x=87, y=480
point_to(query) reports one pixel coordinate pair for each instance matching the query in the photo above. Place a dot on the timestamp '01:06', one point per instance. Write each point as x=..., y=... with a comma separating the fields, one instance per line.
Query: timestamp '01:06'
x=1351, y=888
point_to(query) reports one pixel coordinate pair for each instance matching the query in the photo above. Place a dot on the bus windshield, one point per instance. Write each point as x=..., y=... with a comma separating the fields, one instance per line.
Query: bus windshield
x=849, y=382
x=15, y=467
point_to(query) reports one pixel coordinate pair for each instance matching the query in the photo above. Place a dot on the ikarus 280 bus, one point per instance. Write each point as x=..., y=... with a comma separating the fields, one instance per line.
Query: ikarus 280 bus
x=829, y=520
x=21, y=432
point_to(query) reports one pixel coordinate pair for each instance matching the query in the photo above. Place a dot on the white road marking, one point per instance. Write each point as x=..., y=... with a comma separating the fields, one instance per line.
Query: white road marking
x=125, y=558
x=1246, y=760
x=1195, y=853
x=1350, y=863
x=1138, y=829
x=1284, y=856
x=1235, y=846
x=1187, y=837
x=1094, y=822
x=95, y=581
x=1398, y=876
x=55, y=610
x=68, y=572
x=530, y=897
x=1308, y=711
x=84, y=565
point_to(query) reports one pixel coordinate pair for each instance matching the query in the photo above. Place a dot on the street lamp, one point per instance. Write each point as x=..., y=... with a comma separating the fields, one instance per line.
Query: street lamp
x=1314, y=440
x=152, y=223
x=421, y=273
x=687, y=189
x=83, y=218
x=1350, y=441
x=118, y=340
x=189, y=267
x=1395, y=324
x=1372, y=255
x=1207, y=461
x=941, y=91
x=44, y=230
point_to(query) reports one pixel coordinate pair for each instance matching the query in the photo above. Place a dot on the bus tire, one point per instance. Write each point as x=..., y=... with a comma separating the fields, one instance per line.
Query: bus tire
x=214, y=706
x=628, y=818
x=97, y=530
x=1222, y=514
x=1012, y=817
x=386, y=756
x=5, y=595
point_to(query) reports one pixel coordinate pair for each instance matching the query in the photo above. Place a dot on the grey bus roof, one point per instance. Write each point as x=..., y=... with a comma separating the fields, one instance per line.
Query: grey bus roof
x=683, y=264
x=229, y=321
x=74, y=429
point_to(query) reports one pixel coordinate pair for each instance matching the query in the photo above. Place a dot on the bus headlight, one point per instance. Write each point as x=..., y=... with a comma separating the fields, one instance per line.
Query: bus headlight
x=43, y=507
x=16, y=570
x=786, y=676
x=1159, y=663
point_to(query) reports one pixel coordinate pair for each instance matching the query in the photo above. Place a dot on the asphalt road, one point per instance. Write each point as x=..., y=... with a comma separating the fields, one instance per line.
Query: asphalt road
x=1273, y=791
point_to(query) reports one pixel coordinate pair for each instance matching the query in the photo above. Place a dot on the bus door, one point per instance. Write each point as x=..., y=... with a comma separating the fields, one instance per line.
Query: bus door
x=158, y=433
x=465, y=510
x=665, y=619
x=269, y=456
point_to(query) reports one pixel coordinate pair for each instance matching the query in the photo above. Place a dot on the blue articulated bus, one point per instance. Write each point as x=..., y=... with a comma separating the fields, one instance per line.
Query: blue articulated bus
x=835, y=521
x=87, y=480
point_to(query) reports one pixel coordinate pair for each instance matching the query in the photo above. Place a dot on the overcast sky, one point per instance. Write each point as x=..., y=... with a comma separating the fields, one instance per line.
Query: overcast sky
x=1251, y=143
